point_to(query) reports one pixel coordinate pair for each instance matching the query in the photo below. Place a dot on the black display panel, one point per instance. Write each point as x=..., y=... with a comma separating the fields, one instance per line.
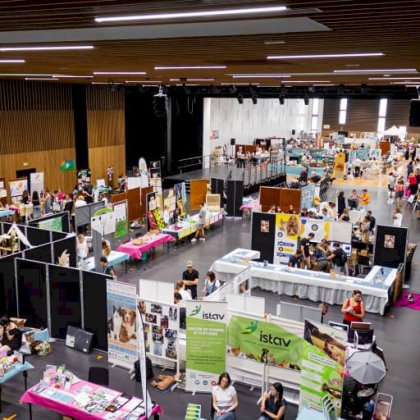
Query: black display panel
x=263, y=234
x=6, y=226
x=235, y=194
x=69, y=245
x=414, y=113
x=56, y=236
x=64, y=299
x=64, y=216
x=390, y=246
x=8, y=305
x=94, y=307
x=39, y=253
x=32, y=293
x=37, y=236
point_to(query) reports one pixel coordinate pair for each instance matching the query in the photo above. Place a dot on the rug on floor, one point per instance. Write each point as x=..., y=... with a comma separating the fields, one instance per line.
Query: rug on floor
x=404, y=301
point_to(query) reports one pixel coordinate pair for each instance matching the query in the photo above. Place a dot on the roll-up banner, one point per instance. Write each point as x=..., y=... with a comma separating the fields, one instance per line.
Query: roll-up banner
x=287, y=236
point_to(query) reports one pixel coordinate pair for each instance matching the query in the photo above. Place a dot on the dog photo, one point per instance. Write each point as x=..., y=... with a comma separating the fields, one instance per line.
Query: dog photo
x=151, y=318
x=173, y=313
x=170, y=333
x=164, y=321
x=141, y=306
x=122, y=325
x=156, y=309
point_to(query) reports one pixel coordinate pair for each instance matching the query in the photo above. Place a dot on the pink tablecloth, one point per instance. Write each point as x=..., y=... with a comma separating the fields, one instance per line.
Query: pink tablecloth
x=250, y=206
x=135, y=251
x=31, y=397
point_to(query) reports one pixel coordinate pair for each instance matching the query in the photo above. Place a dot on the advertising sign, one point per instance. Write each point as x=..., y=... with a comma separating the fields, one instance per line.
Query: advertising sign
x=264, y=342
x=160, y=326
x=122, y=324
x=307, y=196
x=340, y=165
x=286, y=239
x=320, y=228
x=37, y=182
x=103, y=221
x=121, y=219
x=17, y=187
x=323, y=359
x=55, y=224
x=206, y=344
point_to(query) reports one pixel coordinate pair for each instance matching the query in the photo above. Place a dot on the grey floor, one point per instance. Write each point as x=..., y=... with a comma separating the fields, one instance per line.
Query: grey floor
x=395, y=332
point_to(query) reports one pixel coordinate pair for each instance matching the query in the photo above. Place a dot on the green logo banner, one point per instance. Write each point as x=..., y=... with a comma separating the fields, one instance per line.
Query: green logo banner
x=206, y=344
x=264, y=342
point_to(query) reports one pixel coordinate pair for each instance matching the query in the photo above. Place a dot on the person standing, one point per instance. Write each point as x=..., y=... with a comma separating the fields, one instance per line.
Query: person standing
x=399, y=191
x=305, y=245
x=199, y=234
x=338, y=258
x=273, y=405
x=372, y=223
x=341, y=203
x=365, y=198
x=412, y=183
x=357, y=163
x=190, y=279
x=391, y=187
x=353, y=308
x=410, y=168
x=353, y=200
x=397, y=217
x=106, y=268
x=225, y=399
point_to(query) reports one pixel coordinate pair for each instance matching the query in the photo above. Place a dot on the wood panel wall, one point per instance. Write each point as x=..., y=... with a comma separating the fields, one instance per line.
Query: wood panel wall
x=37, y=128
x=106, y=131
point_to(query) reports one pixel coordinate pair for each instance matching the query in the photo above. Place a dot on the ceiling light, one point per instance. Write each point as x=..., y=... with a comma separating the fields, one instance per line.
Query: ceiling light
x=100, y=83
x=191, y=80
x=45, y=79
x=116, y=73
x=352, y=65
x=325, y=84
x=72, y=76
x=11, y=61
x=407, y=82
x=143, y=81
x=281, y=57
x=394, y=78
x=308, y=81
x=377, y=71
x=48, y=48
x=203, y=13
x=274, y=42
x=241, y=84
x=41, y=75
x=260, y=76
x=189, y=67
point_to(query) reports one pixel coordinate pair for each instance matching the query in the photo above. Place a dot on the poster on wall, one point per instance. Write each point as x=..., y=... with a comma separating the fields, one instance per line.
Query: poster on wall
x=17, y=187
x=37, y=182
x=320, y=228
x=54, y=224
x=122, y=326
x=144, y=174
x=307, y=196
x=286, y=237
x=160, y=326
x=206, y=344
x=214, y=134
x=323, y=358
x=264, y=342
x=121, y=218
x=103, y=221
x=339, y=165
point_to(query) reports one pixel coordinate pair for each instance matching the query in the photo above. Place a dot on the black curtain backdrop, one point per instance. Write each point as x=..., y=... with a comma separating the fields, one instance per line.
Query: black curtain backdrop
x=145, y=133
x=263, y=235
x=7, y=285
x=80, y=126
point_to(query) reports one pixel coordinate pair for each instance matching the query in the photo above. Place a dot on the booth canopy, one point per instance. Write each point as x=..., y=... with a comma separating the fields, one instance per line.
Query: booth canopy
x=393, y=131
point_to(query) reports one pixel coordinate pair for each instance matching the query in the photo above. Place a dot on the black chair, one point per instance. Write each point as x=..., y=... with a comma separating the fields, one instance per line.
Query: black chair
x=99, y=376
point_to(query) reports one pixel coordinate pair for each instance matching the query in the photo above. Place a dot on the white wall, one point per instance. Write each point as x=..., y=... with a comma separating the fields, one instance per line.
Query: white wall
x=247, y=122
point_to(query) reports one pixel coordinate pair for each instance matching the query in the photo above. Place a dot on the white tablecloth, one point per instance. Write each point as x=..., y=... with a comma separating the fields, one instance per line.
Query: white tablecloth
x=376, y=287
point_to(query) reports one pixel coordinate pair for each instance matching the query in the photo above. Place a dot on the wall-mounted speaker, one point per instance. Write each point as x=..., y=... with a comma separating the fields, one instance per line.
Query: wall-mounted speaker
x=232, y=142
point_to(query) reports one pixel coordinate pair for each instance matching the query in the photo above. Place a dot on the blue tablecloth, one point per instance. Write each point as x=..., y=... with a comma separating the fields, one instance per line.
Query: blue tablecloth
x=15, y=370
x=114, y=258
x=307, y=414
x=292, y=170
x=5, y=213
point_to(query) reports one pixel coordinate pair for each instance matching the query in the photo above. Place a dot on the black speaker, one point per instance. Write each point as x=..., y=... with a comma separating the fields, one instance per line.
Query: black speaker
x=79, y=339
x=293, y=132
x=232, y=142
x=414, y=113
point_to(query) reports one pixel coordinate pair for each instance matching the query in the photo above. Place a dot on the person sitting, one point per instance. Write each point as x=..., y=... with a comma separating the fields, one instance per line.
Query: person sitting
x=180, y=288
x=11, y=339
x=339, y=259
x=210, y=283
x=225, y=399
x=345, y=217
x=272, y=209
x=273, y=405
x=296, y=260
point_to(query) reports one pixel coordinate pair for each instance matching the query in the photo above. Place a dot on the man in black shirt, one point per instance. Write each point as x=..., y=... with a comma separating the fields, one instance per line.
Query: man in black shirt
x=190, y=278
x=296, y=259
x=305, y=244
x=339, y=259
x=106, y=268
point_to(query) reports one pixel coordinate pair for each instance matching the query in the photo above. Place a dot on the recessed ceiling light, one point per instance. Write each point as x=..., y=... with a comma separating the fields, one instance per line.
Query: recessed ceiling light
x=44, y=79
x=143, y=81
x=42, y=75
x=204, y=13
x=119, y=73
x=261, y=75
x=308, y=81
x=191, y=80
x=72, y=76
x=377, y=71
x=48, y=48
x=284, y=57
x=325, y=84
x=406, y=82
x=274, y=42
x=240, y=84
x=188, y=67
x=394, y=78
x=352, y=65
x=12, y=61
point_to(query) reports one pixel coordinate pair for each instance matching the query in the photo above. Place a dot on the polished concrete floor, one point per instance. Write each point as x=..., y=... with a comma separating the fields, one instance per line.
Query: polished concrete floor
x=396, y=332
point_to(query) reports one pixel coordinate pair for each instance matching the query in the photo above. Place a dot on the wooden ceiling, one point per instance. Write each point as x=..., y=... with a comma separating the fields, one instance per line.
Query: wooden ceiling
x=355, y=26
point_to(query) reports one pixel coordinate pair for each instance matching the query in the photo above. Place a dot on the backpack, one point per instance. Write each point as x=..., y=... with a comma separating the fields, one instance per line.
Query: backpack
x=149, y=370
x=343, y=258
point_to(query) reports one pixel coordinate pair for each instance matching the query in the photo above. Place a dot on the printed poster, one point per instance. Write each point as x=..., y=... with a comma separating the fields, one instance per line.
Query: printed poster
x=160, y=327
x=307, y=196
x=37, y=182
x=206, y=344
x=264, y=342
x=55, y=224
x=122, y=324
x=320, y=228
x=323, y=359
x=121, y=219
x=103, y=221
x=17, y=187
x=287, y=236
x=340, y=165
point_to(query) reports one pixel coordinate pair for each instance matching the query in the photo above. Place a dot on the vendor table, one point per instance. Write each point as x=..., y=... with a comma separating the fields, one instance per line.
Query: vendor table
x=187, y=227
x=62, y=401
x=113, y=258
x=249, y=204
x=149, y=242
x=314, y=285
x=6, y=213
x=12, y=372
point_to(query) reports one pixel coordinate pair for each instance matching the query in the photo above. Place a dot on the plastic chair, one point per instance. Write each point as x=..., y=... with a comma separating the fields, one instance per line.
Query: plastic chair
x=99, y=376
x=383, y=407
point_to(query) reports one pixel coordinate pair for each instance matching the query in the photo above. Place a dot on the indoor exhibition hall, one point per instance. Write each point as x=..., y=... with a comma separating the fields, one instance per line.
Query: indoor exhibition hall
x=209, y=210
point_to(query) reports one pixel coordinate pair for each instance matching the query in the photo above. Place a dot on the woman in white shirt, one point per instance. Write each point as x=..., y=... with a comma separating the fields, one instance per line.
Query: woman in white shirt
x=82, y=247
x=180, y=288
x=225, y=400
x=397, y=217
